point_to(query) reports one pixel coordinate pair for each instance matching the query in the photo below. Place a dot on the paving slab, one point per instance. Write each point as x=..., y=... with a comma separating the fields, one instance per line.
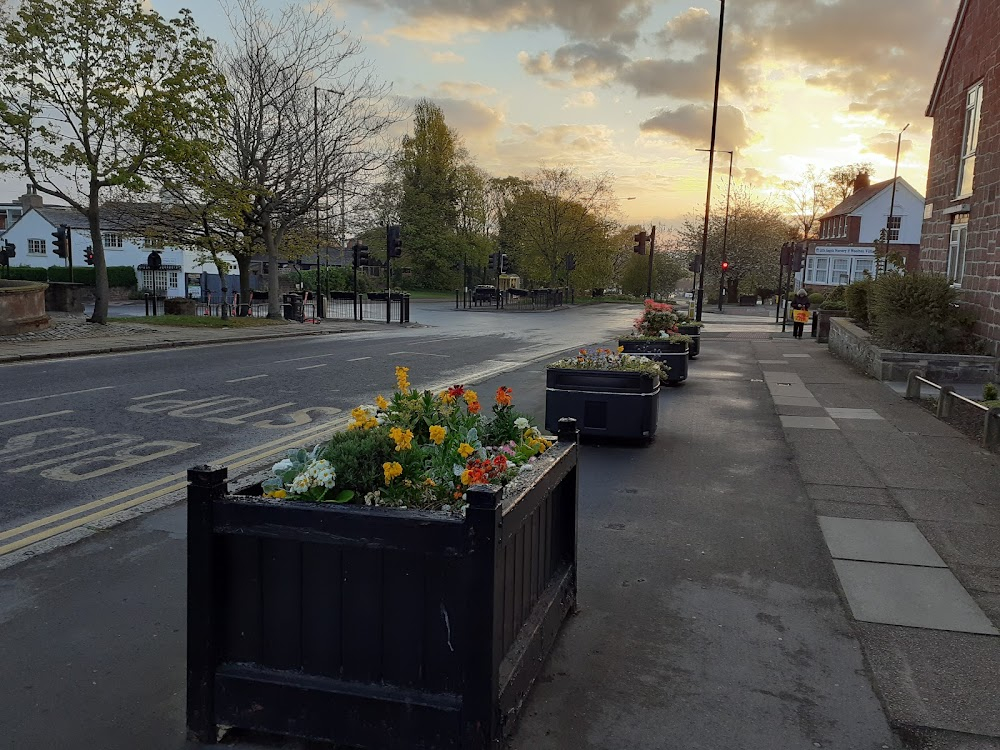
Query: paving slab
x=859, y=510
x=857, y=495
x=771, y=362
x=937, y=679
x=843, y=413
x=825, y=457
x=964, y=543
x=878, y=541
x=808, y=423
x=795, y=401
x=910, y=596
x=898, y=462
x=781, y=376
x=933, y=505
x=788, y=390
x=797, y=356
x=799, y=411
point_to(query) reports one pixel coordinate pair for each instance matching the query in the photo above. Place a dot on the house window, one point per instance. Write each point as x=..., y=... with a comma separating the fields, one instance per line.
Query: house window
x=894, y=224
x=956, y=249
x=112, y=241
x=842, y=226
x=863, y=266
x=840, y=273
x=970, y=140
x=153, y=242
x=817, y=270
x=36, y=247
x=172, y=279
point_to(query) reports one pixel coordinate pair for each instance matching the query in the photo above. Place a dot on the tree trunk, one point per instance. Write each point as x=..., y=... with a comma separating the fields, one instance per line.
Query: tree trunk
x=273, y=285
x=223, y=269
x=243, y=264
x=101, y=290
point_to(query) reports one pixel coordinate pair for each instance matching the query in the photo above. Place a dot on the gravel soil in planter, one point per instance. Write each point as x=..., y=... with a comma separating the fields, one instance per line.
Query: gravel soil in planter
x=617, y=404
x=674, y=356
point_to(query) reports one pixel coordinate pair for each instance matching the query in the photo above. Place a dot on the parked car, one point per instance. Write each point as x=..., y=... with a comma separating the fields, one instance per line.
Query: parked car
x=484, y=293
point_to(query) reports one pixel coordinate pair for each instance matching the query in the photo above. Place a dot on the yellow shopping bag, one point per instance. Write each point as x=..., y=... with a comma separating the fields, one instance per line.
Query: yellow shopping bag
x=800, y=316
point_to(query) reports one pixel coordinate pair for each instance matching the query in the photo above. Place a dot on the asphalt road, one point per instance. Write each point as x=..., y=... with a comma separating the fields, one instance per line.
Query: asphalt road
x=85, y=440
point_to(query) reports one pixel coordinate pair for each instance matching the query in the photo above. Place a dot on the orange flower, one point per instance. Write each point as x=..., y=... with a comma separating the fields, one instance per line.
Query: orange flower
x=474, y=407
x=504, y=395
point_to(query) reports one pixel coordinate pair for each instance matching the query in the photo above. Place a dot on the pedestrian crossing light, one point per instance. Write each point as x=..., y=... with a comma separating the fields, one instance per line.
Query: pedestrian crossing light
x=59, y=243
x=640, y=243
x=725, y=266
x=88, y=255
x=394, y=241
x=503, y=262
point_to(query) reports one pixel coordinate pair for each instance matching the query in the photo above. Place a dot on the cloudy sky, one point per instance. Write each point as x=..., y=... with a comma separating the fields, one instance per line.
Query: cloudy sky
x=625, y=86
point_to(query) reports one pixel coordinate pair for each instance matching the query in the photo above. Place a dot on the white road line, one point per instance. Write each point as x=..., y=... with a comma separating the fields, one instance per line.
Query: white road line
x=300, y=359
x=56, y=395
x=435, y=341
x=251, y=377
x=37, y=416
x=163, y=393
x=311, y=367
x=358, y=359
x=423, y=354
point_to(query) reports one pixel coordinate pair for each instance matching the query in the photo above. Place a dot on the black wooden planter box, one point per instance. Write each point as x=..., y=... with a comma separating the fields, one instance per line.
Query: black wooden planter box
x=674, y=356
x=604, y=403
x=376, y=628
x=695, y=333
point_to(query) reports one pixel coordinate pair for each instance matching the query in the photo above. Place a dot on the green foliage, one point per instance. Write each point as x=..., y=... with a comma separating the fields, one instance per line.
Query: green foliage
x=358, y=456
x=917, y=312
x=667, y=271
x=25, y=273
x=835, y=300
x=856, y=297
x=990, y=392
x=84, y=275
x=815, y=298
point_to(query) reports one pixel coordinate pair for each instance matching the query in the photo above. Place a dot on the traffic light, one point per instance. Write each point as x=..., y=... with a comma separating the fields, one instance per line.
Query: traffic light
x=724, y=266
x=640, y=243
x=154, y=261
x=571, y=262
x=798, y=258
x=88, y=255
x=6, y=253
x=786, y=254
x=503, y=262
x=360, y=255
x=60, y=242
x=394, y=243
x=493, y=262
x=695, y=265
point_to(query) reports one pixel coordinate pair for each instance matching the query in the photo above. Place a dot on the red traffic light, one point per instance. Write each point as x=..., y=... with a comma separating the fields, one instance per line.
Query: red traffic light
x=725, y=265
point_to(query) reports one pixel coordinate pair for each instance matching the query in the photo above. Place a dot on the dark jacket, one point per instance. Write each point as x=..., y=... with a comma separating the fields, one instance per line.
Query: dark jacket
x=800, y=303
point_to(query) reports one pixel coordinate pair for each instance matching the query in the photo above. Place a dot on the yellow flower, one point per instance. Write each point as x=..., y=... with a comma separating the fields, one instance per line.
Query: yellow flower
x=470, y=397
x=403, y=438
x=277, y=494
x=465, y=450
x=437, y=433
x=381, y=403
x=430, y=482
x=402, y=379
x=391, y=470
x=446, y=398
x=621, y=349
x=466, y=477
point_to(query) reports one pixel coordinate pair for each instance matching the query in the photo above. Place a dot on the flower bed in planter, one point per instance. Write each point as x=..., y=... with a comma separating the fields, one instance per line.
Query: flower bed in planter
x=377, y=627
x=609, y=394
x=693, y=330
x=672, y=351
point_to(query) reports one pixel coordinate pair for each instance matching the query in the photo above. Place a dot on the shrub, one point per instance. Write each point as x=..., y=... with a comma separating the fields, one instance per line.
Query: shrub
x=83, y=275
x=918, y=312
x=122, y=276
x=815, y=298
x=358, y=456
x=856, y=297
x=990, y=392
x=25, y=273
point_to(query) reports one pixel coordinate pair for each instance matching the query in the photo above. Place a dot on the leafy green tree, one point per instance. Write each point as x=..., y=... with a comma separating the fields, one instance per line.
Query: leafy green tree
x=430, y=165
x=103, y=94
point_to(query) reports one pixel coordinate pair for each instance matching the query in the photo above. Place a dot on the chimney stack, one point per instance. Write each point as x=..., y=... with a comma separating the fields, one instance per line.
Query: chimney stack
x=862, y=181
x=31, y=199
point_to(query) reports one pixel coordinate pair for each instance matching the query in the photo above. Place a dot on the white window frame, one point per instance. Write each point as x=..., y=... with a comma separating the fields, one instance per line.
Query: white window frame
x=861, y=265
x=173, y=281
x=112, y=241
x=817, y=269
x=957, y=245
x=40, y=244
x=894, y=224
x=840, y=271
x=970, y=141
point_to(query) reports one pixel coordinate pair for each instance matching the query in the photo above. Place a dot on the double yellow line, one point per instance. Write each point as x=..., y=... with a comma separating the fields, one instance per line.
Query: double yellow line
x=57, y=523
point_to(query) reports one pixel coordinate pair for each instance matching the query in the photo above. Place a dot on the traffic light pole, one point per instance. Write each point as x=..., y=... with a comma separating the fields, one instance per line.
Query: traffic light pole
x=355, y=280
x=649, y=277
x=388, y=277
x=69, y=253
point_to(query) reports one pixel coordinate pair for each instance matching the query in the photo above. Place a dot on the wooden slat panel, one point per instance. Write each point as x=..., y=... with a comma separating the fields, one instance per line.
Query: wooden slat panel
x=361, y=622
x=443, y=623
x=321, y=609
x=508, y=595
x=520, y=563
x=238, y=571
x=403, y=618
x=281, y=603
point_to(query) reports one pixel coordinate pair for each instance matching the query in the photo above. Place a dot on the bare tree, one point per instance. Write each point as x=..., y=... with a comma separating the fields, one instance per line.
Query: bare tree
x=306, y=115
x=842, y=179
x=808, y=199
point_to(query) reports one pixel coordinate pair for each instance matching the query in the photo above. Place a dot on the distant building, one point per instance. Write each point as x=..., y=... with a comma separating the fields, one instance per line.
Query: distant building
x=129, y=235
x=845, y=249
x=962, y=214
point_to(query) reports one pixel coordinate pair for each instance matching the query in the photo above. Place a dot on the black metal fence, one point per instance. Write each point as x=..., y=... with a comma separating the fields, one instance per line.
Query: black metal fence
x=370, y=307
x=372, y=627
x=514, y=299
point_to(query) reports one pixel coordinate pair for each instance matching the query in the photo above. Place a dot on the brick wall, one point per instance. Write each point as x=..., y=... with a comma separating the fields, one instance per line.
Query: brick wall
x=976, y=57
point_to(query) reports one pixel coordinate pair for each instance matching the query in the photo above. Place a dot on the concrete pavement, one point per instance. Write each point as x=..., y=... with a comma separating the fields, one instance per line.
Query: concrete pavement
x=732, y=584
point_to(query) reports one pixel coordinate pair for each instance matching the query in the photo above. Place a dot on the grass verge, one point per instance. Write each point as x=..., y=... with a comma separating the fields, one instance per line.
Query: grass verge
x=200, y=321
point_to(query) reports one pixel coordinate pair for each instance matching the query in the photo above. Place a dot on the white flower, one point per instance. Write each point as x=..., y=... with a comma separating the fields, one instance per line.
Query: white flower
x=300, y=485
x=282, y=466
x=521, y=423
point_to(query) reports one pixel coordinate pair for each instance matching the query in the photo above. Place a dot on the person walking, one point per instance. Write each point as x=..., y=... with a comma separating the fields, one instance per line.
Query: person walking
x=800, y=303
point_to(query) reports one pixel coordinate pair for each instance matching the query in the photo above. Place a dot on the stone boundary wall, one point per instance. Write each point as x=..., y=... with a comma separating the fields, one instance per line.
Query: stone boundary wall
x=22, y=307
x=854, y=345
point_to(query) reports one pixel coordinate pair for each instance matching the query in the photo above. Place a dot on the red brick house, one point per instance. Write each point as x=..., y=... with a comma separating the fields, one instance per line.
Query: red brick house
x=962, y=212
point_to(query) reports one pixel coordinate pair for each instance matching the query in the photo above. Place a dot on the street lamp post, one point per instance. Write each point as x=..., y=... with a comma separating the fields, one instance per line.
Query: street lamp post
x=320, y=313
x=725, y=224
x=892, y=200
x=711, y=160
